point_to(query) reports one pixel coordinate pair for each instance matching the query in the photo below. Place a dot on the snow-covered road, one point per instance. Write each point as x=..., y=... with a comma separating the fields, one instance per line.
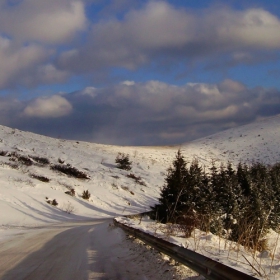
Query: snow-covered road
x=82, y=250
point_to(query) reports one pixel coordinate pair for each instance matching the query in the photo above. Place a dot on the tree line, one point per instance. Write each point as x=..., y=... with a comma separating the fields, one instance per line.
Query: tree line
x=241, y=203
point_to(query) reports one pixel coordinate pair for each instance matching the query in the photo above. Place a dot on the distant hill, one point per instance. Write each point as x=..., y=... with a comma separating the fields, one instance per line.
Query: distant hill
x=258, y=141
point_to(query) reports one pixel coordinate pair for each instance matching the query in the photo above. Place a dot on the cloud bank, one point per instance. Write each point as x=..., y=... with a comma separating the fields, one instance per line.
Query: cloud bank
x=50, y=22
x=164, y=32
x=46, y=46
x=51, y=42
x=150, y=113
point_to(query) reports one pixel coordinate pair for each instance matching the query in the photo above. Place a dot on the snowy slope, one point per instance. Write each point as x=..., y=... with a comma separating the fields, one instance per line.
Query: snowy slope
x=23, y=198
x=259, y=141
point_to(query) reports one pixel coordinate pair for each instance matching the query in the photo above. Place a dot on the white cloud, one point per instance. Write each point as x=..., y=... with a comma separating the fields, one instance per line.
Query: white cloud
x=52, y=21
x=254, y=28
x=50, y=107
x=128, y=83
x=160, y=30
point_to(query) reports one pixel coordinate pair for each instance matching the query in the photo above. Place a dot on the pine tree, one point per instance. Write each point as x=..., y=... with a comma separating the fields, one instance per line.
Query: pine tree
x=123, y=161
x=171, y=204
x=234, y=198
x=274, y=174
x=195, y=185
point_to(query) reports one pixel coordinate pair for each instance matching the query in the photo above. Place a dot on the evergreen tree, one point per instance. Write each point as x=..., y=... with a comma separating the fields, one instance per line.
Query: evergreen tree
x=234, y=198
x=123, y=161
x=194, y=184
x=274, y=174
x=244, y=179
x=261, y=200
x=214, y=185
x=171, y=204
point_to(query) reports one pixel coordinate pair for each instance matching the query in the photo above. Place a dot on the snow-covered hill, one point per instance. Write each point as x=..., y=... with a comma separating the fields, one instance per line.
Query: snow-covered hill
x=23, y=198
x=258, y=141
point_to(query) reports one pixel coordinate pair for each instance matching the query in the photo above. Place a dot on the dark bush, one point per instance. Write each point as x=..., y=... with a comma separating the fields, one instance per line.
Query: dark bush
x=25, y=160
x=14, y=156
x=52, y=202
x=40, y=178
x=86, y=194
x=3, y=153
x=13, y=165
x=71, y=192
x=131, y=175
x=40, y=160
x=137, y=179
x=70, y=171
x=123, y=161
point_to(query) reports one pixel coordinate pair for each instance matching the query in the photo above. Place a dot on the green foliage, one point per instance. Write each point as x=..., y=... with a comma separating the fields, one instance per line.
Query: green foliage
x=123, y=161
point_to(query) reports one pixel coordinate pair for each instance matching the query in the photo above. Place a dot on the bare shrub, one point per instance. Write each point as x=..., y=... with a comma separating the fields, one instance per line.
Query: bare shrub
x=138, y=180
x=26, y=181
x=70, y=171
x=12, y=165
x=135, y=153
x=125, y=188
x=86, y=194
x=168, y=230
x=188, y=223
x=250, y=234
x=134, y=177
x=68, y=208
x=69, y=187
x=40, y=178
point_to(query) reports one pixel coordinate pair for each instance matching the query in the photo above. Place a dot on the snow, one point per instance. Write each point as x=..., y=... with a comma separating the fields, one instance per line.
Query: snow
x=261, y=265
x=23, y=199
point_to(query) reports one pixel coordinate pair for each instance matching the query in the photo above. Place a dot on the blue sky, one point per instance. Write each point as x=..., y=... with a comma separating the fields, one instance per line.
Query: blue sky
x=138, y=72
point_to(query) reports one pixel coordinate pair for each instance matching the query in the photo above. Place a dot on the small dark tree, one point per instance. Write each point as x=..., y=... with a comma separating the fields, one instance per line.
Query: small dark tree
x=123, y=161
x=54, y=202
x=86, y=194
